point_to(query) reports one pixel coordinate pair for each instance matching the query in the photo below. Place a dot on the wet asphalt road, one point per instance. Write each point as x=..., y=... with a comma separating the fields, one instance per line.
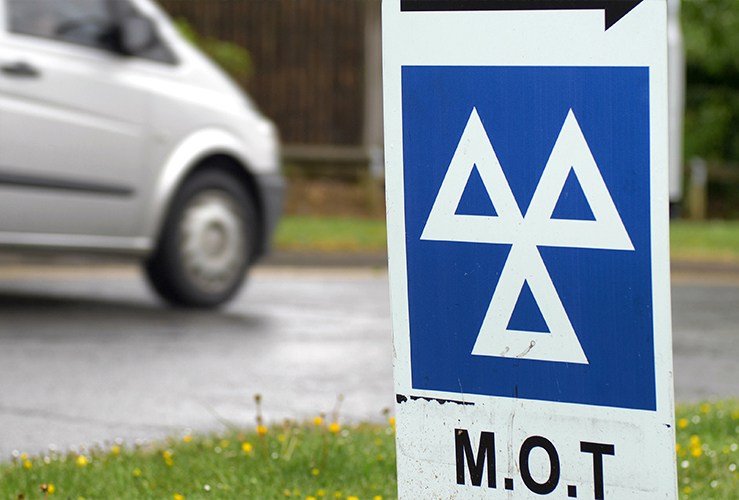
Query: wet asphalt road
x=88, y=356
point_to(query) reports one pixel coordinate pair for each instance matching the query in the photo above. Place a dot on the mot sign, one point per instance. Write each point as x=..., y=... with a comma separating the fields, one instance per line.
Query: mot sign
x=526, y=169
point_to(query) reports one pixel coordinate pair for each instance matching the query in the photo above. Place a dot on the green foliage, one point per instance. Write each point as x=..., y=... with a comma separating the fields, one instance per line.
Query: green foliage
x=233, y=58
x=711, y=34
x=711, y=29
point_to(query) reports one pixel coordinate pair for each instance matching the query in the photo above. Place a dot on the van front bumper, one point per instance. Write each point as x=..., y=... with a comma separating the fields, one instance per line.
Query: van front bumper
x=272, y=194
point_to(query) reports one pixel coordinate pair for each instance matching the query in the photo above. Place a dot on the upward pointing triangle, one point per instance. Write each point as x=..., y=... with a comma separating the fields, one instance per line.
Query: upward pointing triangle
x=527, y=316
x=473, y=159
x=572, y=204
x=605, y=229
x=501, y=334
x=475, y=199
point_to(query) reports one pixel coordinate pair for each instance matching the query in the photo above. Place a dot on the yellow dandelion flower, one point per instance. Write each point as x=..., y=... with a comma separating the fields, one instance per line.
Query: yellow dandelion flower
x=682, y=423
x=338, y=494
x=281, y=438
x=687, y=490
x=377, y=497
x=352, y=497
x=247, y=447
x=177, y=496
x=696, y=451
x=318, y=421
x=695, y=440
x=82, y=461
x=115, y=450
x=187, y=438
x=286, y=492
x=705, y=408
x=315, y=471
x=391, y=422
x=50, y=488
x=24, y=456
x=310, y=497
x=334, y=428
x=27, y=465
x=168, y=457
x=679, y=449
x=321, y=493
x=136, y=472
x=262, y=430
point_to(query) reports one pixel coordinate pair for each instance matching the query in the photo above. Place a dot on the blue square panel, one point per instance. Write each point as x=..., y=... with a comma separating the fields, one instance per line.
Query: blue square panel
x=527, y=214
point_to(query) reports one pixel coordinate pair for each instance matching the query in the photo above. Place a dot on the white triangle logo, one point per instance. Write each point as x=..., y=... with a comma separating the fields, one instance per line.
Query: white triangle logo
x=607, y=231
x=444, y=224
x=525, y=233
x=495, y=339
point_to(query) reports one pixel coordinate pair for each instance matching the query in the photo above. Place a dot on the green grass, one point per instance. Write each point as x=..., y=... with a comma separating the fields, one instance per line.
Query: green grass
x=331, y=234
x=708, y=450
x=714, y=240
x=289, y=461
x=300, y=461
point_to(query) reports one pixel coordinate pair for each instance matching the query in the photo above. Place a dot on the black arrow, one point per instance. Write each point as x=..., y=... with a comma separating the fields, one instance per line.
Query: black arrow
x=614, y=9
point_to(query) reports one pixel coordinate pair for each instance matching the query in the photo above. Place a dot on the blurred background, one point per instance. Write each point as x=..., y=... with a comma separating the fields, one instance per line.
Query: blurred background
x=322, y=86
x=315, y=68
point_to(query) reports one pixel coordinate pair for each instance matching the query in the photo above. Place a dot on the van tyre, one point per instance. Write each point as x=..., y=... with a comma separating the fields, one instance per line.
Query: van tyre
x=207, y=242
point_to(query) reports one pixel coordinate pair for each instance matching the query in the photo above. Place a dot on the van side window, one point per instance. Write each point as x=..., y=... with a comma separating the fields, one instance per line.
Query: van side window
x=158, y=51
x=84, y=22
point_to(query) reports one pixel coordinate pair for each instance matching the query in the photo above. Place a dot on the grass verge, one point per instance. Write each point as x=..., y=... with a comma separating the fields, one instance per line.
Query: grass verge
x=316, y=461
x=331, y=234
x=712, y=240
x=285, y=461
x=707, y=448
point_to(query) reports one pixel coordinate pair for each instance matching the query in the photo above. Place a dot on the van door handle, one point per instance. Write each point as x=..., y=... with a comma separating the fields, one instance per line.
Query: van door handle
x=20, y=69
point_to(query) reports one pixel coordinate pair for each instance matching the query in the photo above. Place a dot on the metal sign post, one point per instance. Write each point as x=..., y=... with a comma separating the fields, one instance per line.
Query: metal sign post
x=526, y=167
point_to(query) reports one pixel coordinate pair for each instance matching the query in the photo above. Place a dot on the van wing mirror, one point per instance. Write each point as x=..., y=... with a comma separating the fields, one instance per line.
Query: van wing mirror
x=137, y=34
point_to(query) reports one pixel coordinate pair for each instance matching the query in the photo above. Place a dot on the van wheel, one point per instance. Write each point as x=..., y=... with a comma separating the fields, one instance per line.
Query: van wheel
x=206, y=244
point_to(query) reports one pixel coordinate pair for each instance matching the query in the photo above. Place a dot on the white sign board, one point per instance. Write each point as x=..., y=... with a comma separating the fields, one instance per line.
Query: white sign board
x=526, y=169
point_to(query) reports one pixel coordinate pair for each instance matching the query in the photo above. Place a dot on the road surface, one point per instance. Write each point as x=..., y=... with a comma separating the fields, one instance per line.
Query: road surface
x=88, y=355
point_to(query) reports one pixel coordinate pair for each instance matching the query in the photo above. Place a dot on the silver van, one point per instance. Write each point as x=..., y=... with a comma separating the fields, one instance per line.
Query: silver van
x=117, y=135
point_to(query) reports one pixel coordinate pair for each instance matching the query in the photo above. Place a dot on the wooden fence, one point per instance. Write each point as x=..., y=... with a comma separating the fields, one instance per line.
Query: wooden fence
x=310, y=60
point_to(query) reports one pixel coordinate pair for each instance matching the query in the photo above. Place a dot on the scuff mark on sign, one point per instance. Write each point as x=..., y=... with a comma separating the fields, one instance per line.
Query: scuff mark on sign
x=400, y=399
x=524, y=353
